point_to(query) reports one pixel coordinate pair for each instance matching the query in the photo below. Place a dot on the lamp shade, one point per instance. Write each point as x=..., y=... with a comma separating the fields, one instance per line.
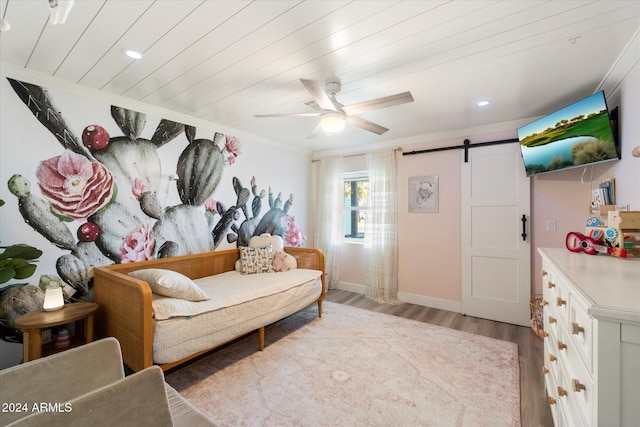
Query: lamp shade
x=332, y=123
x=53, y=299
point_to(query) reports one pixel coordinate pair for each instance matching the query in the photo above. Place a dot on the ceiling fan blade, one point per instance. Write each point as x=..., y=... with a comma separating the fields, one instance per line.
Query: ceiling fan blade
x=289, y=115
x=366, y=125
x=319, y=95
x=375, y=104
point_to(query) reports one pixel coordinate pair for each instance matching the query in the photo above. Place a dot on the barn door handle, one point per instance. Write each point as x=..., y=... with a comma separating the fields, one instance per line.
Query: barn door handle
x=524, y=228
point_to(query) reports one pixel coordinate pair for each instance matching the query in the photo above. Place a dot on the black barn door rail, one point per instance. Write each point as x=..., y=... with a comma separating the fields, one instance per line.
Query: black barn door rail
x=465, y=146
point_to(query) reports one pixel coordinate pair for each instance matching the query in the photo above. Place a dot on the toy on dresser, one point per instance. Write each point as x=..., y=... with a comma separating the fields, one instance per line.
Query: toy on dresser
x=578, y=242
x=619, y=236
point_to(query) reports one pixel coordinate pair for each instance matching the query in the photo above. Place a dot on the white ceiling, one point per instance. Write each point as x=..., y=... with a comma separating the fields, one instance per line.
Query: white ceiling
x=224, y=61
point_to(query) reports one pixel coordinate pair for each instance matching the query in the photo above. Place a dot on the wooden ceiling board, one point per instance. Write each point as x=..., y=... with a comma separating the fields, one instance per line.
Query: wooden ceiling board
x=326, y=48
x=244, y=54
x=225, y=61
x=274, y=78
x=135, y=82
x=235, y=28
x=101, y=34
x=27, y=25
x=58, y=40
x=151, y=27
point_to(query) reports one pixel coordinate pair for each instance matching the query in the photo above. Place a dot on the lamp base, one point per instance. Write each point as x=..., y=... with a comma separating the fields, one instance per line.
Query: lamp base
x=53, y=308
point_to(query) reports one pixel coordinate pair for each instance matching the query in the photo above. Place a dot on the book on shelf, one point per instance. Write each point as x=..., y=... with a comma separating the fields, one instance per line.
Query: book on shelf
x=607, y=192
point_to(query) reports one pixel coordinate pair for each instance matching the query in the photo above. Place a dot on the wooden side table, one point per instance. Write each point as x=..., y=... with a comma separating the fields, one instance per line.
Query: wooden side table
x=32, y=324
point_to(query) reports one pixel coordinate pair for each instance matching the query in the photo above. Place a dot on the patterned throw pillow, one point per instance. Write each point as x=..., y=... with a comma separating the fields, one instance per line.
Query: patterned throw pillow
x=256, y=260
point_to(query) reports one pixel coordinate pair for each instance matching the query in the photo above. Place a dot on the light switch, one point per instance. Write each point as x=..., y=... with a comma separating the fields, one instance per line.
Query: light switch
x=551, y=226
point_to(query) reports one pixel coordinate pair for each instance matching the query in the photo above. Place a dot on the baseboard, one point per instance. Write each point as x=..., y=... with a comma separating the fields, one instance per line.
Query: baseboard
x=351, y=287
x=441, y=304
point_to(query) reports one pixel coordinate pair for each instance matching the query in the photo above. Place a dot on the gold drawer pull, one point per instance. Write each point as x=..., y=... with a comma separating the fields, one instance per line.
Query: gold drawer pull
x=577, y=386
x=561, y=345
x=544, y=302
x=552, y=319
x=561, y=391
x=545, y=371
x=560, y=301
x=552, y=401
x=551, y=285
x=552, y=358
x=576, y=329
x=543, y=333
x=543, y=273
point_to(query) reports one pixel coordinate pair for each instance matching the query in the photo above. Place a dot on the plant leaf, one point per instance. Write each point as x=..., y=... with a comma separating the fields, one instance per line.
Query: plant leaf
x=23, y=269
x=21, y=251
x=6, y=273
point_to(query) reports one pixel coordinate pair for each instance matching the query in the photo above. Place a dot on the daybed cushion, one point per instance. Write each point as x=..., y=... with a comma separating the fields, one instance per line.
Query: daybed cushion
x=170, y=284
x=254, y=260
x=179, y=337
x=232, y=288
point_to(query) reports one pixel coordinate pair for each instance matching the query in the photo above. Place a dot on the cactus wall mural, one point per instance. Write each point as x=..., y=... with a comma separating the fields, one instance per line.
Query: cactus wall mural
x=106, y=186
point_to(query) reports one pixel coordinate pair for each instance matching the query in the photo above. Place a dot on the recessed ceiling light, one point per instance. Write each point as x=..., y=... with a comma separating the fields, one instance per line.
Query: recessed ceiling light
x=133, y=54
x=483, y=103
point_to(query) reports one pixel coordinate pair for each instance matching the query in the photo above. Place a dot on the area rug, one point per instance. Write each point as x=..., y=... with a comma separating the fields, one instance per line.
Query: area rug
x=355, y=367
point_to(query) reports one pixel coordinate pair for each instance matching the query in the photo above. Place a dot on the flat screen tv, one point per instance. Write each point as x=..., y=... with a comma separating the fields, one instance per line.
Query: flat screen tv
x=577, y=135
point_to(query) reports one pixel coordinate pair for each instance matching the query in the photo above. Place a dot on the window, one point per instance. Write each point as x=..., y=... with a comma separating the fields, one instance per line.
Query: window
x=356, y=204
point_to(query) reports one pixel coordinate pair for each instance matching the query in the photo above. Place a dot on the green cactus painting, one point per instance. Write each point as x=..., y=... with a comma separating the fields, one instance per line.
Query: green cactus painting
x=109, y=184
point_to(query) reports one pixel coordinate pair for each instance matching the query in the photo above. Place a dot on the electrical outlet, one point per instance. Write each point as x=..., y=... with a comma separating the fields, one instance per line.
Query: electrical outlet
x=551, y=226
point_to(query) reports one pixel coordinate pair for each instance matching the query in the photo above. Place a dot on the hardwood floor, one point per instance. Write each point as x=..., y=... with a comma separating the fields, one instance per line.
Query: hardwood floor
x=534, y=409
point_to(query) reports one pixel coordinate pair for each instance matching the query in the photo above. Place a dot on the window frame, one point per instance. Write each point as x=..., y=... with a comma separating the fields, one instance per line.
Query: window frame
x=353, y=177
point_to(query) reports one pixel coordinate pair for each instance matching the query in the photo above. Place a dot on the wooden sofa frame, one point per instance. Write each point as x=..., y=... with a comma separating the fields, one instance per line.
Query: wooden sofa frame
x=125, y=310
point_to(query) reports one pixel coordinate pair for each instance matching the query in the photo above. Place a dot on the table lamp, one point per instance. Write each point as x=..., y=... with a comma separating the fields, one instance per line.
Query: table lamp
x=53, y=299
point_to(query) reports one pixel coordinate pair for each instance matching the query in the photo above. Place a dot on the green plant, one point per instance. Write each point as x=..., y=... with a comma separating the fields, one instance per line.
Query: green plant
x=16, y=261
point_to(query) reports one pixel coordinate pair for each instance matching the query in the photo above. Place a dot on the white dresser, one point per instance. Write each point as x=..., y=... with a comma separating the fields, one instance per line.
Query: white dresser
x=592, y=345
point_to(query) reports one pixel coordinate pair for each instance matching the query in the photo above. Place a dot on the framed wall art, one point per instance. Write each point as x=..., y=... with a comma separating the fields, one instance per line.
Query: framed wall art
x=423, y=194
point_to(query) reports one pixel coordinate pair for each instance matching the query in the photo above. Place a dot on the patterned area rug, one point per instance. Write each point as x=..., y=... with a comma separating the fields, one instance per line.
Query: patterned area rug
x=356, y=367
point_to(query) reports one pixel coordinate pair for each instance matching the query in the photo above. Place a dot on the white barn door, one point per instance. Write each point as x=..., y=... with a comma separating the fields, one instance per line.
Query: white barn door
x=496, y=263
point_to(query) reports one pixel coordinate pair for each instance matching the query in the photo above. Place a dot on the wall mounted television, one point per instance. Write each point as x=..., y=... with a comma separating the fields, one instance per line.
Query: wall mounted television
x=577, y=135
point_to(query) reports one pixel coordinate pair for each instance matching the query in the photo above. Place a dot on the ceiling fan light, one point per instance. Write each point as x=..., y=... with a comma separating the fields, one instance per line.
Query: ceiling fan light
x=332, y=123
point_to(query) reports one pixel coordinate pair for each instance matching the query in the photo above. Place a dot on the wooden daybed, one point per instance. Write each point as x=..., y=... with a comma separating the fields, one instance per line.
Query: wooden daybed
x=125, y=303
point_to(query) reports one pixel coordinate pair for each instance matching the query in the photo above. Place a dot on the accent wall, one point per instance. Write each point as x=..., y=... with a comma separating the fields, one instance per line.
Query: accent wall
x=92, y=183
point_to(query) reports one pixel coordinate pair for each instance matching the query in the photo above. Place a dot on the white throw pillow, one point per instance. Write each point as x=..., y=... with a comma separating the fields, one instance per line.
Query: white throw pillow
x=170, y=283
x=276, y=242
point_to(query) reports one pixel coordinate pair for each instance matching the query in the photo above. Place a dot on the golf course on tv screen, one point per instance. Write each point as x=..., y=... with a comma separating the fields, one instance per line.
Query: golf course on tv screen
x=577, y=135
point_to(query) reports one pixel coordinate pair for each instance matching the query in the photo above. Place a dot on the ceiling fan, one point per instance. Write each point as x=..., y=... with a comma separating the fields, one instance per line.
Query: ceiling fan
x=334, y=114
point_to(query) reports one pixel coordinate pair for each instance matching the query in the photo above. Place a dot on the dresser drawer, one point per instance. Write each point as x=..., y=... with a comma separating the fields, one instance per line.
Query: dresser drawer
x=555, y=293
x=580, y=329
x=580, y=387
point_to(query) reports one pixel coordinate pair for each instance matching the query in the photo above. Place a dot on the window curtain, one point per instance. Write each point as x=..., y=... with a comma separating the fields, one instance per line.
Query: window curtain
x=381, y=229
x=329, y=213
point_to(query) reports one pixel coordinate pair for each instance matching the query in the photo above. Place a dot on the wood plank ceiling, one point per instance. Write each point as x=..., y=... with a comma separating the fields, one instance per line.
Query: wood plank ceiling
x=224, y=61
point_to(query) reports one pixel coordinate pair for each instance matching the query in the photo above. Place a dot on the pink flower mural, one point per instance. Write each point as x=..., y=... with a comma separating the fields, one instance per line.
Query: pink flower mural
x=73, y=185
x=232, y=144
x=210, y=205
x=138, y=245
x=292, y=234
x=139, y=186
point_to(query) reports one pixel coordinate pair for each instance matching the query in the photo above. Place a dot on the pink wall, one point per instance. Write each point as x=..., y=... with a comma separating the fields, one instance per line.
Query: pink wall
x=565, y=196
x=429, y=243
